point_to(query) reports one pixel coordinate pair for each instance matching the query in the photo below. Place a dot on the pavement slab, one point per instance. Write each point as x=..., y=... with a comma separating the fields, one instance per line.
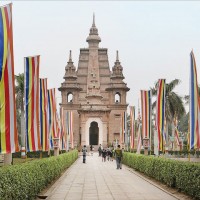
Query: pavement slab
x=97, y=180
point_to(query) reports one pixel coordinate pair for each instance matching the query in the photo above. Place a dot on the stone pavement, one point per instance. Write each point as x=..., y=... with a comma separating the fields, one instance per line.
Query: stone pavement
x=101, y=180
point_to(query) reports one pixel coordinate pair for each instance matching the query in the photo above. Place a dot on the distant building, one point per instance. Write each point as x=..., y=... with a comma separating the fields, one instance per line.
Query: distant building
x=96, y=95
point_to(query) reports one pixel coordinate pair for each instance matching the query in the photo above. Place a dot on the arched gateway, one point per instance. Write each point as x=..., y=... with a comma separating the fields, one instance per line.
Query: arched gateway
x=93, y=86
x=94, y=134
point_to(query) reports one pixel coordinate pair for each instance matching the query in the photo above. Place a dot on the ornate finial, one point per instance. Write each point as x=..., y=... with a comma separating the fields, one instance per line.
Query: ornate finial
x=117, y=56
x=93, y=24
x=70, y=56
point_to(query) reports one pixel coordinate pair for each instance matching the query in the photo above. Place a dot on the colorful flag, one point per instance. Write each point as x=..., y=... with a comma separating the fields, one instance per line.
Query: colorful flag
x=63, y=131
x=132, y=126
x=146, y=114
x=8, y=125
x=31, y=84
x=44, y=132
x=160, y=113
x=52, y=116
x=139, y=139
x=69, y=129
x=124, y=128
x=194, y=106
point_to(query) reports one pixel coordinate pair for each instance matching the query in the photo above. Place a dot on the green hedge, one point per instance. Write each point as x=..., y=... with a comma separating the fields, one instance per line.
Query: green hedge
x=184, y=176
x=25, y=181
x=36, y=154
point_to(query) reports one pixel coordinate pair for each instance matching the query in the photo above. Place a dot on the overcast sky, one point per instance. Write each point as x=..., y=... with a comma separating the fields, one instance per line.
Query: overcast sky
x=154, y=38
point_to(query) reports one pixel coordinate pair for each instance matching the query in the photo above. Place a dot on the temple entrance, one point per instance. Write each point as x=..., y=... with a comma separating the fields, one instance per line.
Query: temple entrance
x=94, y=133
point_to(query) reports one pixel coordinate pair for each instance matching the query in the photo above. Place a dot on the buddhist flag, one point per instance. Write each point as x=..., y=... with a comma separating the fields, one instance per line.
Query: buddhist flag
x=124, y=128
x=63, y=131
x=69, y=129
x=132, y=126
x=146, y=114
x=52, y=115
x=194, y=106
x=160, y=113
x=44, y=132
x=176, y=132
x=31, y=84
x=139, y=139
x=8, y=126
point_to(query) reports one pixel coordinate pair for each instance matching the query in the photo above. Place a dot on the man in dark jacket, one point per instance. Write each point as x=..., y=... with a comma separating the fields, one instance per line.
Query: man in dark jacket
x=118, y=157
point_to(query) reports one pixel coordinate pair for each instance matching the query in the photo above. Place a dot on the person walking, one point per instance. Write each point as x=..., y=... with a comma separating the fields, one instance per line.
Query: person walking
x=100, y=150
x=104, y=153
x=84, y=150
x=91, y=149
x=118, y=157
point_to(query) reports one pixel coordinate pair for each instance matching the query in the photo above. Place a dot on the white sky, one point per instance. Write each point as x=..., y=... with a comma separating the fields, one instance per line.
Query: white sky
x=154, y=38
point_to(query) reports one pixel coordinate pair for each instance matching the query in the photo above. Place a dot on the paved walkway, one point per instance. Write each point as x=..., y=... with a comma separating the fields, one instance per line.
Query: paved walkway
x=101, y=180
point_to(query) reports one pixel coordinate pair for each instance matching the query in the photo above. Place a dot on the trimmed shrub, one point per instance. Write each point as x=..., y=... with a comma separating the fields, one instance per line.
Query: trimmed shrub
x=184, y=176
x=25, y=181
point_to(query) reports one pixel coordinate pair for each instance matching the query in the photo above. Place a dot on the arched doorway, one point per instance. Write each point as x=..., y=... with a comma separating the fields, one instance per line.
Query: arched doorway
x=94, y=133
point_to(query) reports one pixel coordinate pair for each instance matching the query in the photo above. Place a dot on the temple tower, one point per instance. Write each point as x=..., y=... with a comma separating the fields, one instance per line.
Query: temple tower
x=96, y=95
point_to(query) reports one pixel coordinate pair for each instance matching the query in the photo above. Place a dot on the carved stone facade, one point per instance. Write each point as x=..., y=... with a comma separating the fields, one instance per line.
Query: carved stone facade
x=96, y=95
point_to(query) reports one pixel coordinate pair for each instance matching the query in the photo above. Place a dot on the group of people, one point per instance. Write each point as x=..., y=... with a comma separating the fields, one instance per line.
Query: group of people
x=106, y=153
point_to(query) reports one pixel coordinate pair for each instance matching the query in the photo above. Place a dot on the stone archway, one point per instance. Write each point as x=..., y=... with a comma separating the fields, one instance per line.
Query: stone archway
x=94, y=133
x=86, y=134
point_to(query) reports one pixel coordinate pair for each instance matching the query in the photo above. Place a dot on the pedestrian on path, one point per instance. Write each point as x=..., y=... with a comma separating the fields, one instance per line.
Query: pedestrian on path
x=84, y=150
x=118, y=157
x=100, y=150
x=104, y=153
x=91, y=150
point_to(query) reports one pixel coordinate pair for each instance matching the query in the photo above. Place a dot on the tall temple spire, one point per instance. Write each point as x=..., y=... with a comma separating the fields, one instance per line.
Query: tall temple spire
x=70, y=56
x=93, y=39
x=93, y=24
x=117, y=57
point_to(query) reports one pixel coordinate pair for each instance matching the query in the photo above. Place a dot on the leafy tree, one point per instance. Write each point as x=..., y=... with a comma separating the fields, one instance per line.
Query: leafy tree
x=173, y=102
x=19, y=89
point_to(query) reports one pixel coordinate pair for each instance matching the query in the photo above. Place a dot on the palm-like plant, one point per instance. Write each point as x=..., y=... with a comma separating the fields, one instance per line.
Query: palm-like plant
x=187, y=97
x=19, y=89
x=173, y=102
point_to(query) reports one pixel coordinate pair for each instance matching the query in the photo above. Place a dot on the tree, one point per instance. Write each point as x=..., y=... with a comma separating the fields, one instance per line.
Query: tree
x=187, y=97
x=173, y=102
x=19, y=89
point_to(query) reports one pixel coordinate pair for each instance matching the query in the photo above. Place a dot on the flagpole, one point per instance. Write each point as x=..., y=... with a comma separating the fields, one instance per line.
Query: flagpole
x=189, y=139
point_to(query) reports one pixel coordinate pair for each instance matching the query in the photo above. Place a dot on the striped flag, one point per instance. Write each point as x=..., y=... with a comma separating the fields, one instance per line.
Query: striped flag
x=69, y=129
x=160, y=113
x=194, y=106
x=176, y=132
x=124, y=128
x=132, y=126
x=139, y=135
x=31, y=84
x=63, y=131
x=146, y=114
x=8, y=126
x=52, y=116
x=44, y=132
x=139, y=139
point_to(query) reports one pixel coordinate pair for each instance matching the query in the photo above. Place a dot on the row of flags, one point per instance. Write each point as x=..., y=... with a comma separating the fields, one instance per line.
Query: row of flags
x=160, y=122
x=42, y=122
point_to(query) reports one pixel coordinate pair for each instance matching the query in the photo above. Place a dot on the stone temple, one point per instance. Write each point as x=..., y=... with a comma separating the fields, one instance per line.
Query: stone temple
x=95, y=94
